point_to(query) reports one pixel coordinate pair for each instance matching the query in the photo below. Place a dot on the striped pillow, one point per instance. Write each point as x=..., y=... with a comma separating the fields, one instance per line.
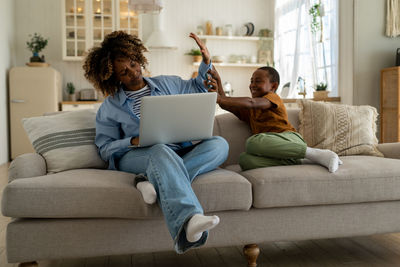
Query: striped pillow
x=65, y=140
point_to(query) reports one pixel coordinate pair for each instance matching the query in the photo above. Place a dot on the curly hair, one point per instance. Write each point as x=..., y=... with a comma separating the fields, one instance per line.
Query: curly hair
x=273, y=74
x=98, y=64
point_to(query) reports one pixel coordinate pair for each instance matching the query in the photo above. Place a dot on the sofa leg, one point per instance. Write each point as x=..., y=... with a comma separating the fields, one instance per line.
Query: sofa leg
x=251, y=253
x=28, y=264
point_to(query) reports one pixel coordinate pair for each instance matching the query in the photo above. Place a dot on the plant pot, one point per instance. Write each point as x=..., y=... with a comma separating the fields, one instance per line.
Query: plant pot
x=72, y=97
x=35, y=58
x=197, y=58
x=321, y=95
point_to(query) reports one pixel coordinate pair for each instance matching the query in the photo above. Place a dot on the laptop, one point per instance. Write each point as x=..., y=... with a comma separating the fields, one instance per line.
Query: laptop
x=176, y=118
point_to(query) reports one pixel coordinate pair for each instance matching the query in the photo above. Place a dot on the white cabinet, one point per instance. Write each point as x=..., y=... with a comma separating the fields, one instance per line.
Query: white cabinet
x=259, y=50
x=79, y=105
x=86, y=22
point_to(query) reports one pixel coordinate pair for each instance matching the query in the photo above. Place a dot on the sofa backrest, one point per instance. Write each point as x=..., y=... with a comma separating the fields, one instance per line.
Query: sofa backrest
x=236, y=132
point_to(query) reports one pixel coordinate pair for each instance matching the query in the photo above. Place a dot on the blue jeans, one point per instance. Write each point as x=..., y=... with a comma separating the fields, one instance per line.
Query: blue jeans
x=172, y=175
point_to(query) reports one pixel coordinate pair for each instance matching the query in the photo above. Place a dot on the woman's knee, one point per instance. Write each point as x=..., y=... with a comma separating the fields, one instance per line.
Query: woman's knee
x=220, y=145
x=161, y=150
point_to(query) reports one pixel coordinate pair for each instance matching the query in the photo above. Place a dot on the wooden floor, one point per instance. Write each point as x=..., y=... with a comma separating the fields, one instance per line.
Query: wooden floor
x=378, y=250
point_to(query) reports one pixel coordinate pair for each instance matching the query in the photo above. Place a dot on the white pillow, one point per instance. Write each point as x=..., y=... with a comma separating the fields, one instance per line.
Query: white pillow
x=65, y=140
x=344, y=129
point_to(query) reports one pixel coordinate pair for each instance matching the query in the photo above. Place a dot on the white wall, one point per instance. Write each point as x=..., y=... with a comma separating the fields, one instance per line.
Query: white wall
x=6, y=61
x=373, y=51
x=181, y=17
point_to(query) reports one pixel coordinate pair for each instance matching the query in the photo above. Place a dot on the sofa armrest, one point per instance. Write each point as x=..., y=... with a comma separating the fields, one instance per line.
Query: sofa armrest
x=390, y=150
x=27, y=165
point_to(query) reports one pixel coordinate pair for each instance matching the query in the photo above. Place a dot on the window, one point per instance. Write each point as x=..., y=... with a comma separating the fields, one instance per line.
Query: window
x=302, y=57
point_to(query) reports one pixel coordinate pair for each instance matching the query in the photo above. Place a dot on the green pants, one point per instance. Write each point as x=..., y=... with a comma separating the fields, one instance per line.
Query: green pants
x=273, y=149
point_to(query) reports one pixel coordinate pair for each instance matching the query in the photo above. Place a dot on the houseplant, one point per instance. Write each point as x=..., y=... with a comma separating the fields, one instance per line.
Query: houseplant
x=71, y=91
x=196, y=53
x=36, y=44
x=320, y=92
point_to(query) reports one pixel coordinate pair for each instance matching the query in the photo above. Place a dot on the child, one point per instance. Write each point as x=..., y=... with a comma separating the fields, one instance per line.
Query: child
x=274, y=141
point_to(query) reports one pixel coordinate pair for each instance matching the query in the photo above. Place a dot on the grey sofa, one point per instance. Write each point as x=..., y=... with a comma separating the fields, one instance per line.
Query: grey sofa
x=92, y=212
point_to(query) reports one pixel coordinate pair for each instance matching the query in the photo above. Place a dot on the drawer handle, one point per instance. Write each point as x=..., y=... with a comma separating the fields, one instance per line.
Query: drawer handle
x=17, y=101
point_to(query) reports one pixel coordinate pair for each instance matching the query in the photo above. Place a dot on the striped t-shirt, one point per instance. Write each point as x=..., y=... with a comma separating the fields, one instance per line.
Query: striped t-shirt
x=136, y=96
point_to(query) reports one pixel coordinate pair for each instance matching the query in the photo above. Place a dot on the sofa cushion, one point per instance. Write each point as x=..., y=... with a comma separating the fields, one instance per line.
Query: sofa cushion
x=344, y=129
x=65, y=140
x=89, y=193
x=359, y=179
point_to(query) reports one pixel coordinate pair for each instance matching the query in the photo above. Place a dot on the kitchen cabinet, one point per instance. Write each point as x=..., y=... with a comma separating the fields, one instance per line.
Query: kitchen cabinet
x=86, y=22
x=390, y=105
x=260, y=49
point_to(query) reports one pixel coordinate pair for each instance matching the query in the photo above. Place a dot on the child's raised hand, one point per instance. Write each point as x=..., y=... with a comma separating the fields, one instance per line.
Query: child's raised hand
x=203, y=48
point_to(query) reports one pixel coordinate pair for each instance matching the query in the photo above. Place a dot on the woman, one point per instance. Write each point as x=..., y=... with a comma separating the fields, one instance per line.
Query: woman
x=115, y=68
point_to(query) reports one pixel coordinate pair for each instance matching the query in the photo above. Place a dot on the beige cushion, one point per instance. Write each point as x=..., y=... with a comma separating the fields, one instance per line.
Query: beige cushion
x=344, y=129
x=65, y=140
x=359, y=179
x=89, y=193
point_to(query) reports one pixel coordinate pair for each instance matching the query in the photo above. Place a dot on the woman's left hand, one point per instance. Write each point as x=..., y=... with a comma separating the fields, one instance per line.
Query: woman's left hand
x=203, y=48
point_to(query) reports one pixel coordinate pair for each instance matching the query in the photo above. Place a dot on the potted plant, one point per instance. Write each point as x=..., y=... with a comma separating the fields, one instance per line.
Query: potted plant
x=317, y=12
x=320, y=92
x=36, y=44
x=196, y=53
x=71, y=91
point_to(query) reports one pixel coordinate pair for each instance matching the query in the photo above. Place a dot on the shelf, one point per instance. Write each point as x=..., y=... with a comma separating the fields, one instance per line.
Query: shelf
x=250, y=65
x=239, y=38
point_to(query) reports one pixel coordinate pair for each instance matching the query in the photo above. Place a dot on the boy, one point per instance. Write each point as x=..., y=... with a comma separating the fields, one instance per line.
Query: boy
x=274, y=141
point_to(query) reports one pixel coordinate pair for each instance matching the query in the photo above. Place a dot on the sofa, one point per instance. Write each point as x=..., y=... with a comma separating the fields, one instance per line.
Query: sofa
x=95, y=212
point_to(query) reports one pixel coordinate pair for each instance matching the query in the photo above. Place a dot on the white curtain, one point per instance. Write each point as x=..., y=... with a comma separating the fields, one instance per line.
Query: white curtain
x=300, y=58
x=392, y=18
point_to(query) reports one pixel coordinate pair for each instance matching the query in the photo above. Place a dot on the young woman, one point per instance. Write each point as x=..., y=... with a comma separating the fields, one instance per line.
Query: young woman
x=115, y=68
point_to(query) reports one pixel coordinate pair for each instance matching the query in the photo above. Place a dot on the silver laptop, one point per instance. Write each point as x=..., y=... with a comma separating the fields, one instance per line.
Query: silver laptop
x=176, y=118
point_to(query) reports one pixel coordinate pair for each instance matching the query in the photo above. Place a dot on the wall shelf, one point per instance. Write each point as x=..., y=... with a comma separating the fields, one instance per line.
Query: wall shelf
x=238, y=38
x=250, y=65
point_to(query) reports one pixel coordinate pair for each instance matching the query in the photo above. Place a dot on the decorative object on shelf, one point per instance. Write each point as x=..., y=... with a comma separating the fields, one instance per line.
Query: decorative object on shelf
x=200, y=30
x=70, y=90
x=196, y=53
x=146, y=6
x=36, y=44
x=228, y=30
x=265, y=33
x=217, y=59
x=227, y=88
x=320, y=92
x=209, y=28
x=88, y=94
x=301, y=86
x=218, y=31
x=317, y=12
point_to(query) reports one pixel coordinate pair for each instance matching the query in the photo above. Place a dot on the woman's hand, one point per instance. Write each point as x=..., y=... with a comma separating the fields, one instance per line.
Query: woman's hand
x=203, y=48
x=135, y=141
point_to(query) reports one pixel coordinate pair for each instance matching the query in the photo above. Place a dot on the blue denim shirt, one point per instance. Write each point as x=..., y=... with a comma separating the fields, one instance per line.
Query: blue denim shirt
x=116, y=124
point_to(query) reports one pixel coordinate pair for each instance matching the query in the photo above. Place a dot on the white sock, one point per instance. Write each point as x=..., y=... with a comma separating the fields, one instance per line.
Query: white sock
x=198, y=224
x=324, y=157
x=148, y=192
x=307, y=161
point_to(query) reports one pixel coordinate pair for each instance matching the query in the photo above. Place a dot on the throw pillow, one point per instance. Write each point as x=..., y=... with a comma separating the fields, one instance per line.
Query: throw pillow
x=344, y=129
x=65, y=140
